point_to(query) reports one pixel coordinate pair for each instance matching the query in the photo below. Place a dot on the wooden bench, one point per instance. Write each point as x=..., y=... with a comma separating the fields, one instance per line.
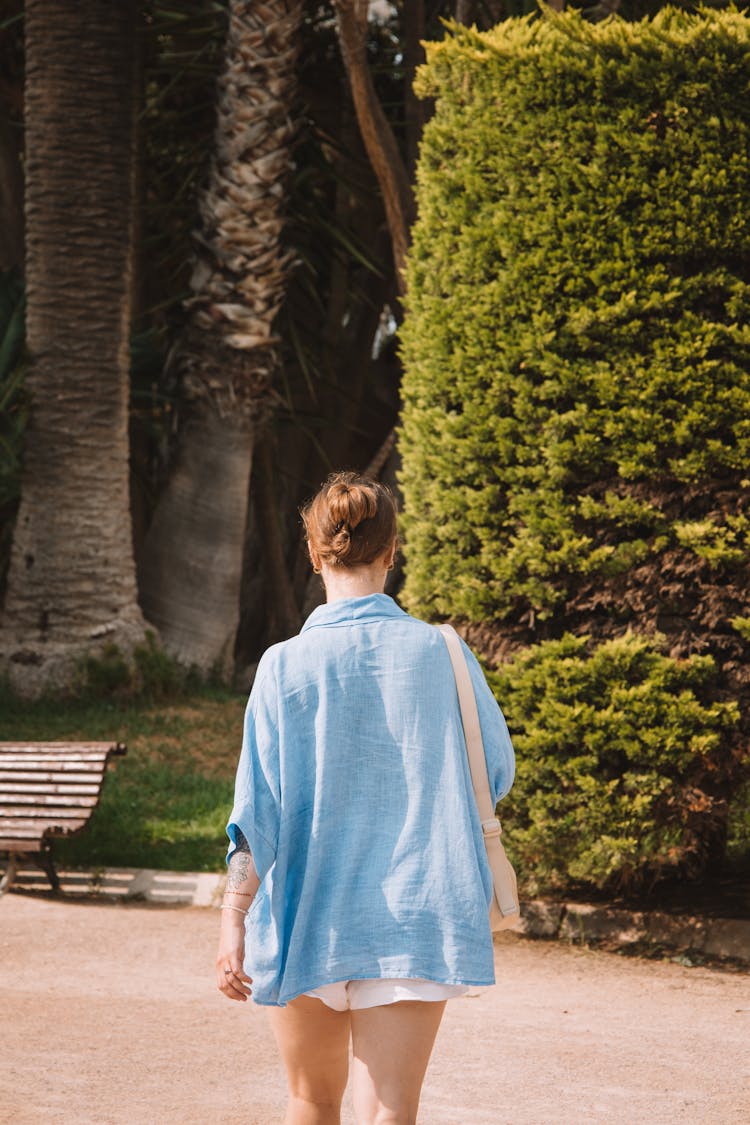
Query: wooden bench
x=47, y=789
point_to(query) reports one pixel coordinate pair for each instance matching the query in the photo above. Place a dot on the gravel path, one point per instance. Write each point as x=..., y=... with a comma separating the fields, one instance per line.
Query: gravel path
x=110, y=1016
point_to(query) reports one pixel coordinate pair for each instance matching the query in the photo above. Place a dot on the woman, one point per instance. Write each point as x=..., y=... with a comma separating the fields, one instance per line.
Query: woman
x=356, y=851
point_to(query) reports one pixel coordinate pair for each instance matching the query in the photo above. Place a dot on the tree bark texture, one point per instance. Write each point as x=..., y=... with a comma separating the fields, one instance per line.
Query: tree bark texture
x=71, y=583
x=377, y=134
x=191, y=569
x=192, y=596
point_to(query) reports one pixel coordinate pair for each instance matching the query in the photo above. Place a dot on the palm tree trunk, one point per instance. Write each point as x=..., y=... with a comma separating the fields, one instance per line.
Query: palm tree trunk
x=71, y=584
x=191, y=569
x=192, y=565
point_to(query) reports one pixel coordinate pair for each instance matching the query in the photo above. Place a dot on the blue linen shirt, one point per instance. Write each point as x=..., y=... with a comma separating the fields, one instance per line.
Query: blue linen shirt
x=353, y=792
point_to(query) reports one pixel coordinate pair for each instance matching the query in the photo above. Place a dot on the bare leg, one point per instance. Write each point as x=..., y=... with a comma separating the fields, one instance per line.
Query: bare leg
x=314, y=1043
x=392, y=1046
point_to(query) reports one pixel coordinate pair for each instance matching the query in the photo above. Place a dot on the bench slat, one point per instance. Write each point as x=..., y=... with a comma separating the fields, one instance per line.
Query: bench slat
x=67, y=788
x=49, y=761
x=13, y=826
x=43, y=747
x=46, y=800
x=29, y=769
x=57, y=748
x=53, y=776
x=52, y=761
x=30, y=813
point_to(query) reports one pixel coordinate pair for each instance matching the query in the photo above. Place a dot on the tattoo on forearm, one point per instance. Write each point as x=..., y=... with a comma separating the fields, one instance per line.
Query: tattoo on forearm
x=240, y=864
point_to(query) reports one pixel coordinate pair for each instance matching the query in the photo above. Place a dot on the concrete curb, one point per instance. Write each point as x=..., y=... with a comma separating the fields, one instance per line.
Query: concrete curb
x=131, y=884
x=722, y=938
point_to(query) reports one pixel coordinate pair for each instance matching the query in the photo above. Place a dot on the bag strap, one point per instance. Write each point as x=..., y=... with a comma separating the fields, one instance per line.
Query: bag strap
x=505, y=905
x=472, y=731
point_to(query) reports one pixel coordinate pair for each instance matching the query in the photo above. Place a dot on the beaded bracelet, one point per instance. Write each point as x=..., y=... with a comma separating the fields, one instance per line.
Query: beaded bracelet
x=228, y=906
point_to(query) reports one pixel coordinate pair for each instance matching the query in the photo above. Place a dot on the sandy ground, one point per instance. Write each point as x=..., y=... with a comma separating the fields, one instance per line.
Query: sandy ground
x=110, y=1014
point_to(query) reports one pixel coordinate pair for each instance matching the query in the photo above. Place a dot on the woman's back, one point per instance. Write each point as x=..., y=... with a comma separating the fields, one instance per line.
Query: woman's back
x=354, y=795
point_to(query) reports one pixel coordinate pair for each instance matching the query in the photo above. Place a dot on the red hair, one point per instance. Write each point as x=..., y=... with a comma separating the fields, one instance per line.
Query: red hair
x=351, y=521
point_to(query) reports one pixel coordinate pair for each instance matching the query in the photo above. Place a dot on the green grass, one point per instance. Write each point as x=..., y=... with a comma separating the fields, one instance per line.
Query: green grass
x=166, y=803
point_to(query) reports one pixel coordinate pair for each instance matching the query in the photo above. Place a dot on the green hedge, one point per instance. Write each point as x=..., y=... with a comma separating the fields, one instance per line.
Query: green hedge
x=576, y=423
x=614, y=748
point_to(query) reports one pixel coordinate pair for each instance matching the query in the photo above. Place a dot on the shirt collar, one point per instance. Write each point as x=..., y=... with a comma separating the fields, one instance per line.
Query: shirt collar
x=369, y=608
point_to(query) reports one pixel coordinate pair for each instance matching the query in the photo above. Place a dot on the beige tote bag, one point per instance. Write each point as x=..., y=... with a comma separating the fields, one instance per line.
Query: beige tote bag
x=504, y=908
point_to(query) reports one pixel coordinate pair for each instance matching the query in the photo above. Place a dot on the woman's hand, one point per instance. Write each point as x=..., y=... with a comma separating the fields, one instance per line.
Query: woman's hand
x=231, y=978
x=241, y=889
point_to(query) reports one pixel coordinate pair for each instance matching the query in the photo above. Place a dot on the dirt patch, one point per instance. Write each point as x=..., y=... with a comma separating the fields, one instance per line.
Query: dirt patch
x=111, y=1017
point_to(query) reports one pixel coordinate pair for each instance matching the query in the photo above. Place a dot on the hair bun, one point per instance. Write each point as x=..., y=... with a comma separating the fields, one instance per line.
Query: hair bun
x=350, y=503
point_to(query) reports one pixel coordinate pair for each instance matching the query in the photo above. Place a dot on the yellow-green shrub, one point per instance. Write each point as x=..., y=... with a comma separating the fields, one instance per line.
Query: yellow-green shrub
x=615, y=747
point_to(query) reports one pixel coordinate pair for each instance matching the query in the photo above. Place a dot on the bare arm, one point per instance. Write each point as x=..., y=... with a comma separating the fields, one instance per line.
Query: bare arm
x=242, y=886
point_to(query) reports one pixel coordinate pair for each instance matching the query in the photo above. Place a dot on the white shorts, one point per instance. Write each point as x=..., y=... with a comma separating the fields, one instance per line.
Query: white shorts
x=354, y=994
